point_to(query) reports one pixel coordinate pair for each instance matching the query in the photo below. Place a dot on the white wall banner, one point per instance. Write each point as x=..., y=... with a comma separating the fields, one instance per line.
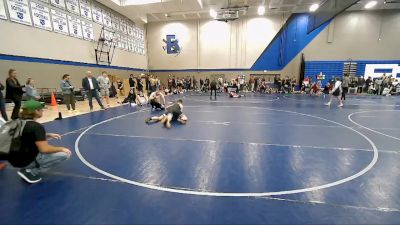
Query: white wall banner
x=377, y=70
x=130, y=44
x=75, y=28
x=87, y=29
x=86, y=11
x=117, y=40
x=45, y=1
x=122, y=27
x=97, y=15
x=135, y=32
x=60, y=24
x=19, y=11
x=58, y=3
x=73, y=6
x=115, y=23
x=107, y=19
x=3, y=14
x=124, y=43
x=108, y=37
x=41, y=16
x=135, y=47
x=129, y=30
x=141, y=34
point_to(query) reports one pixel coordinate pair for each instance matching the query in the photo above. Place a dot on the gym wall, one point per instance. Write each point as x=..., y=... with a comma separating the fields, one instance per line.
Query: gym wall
x=210, y=44
x=27, y=41
x=352, y=35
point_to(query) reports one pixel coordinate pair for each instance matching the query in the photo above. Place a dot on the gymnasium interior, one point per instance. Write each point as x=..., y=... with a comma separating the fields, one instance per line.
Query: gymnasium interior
x=272, y=145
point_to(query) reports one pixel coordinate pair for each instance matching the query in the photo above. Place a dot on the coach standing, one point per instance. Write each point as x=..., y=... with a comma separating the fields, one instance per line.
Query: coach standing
x=91, y=87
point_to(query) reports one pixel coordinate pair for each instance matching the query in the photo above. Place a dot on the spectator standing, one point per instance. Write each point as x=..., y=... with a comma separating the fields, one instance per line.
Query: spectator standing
x=14, y=92
x=368, y=84
x=91, y=87
x=345, y=86
x=131, y=82
x=68, y=93
x=3, y=103
x=360, y=84
x=104, y=85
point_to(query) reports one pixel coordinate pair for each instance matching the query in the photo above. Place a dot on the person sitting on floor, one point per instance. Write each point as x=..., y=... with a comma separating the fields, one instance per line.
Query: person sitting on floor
x=131, y=98
x=157, y=100
x=173, y=113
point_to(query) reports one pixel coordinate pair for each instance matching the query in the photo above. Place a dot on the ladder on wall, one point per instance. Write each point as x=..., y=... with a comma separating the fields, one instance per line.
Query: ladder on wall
x=105, y=47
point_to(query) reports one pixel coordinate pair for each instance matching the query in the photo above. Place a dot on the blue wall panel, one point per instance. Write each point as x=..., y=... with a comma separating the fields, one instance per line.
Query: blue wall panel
x=287, y=44
x=335, y=68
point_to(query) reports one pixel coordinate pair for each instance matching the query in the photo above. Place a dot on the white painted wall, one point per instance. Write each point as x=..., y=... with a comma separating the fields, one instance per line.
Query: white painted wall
x=209, y=44
x=21, y=40
x=356, y=35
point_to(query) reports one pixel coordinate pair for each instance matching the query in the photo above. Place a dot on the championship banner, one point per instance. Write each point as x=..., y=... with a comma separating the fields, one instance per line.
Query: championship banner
x=108, y=37
x=60, y=24
x=129, y=30
x=122, y=27
x=142, y=48
x=41, y=16
x=130, y=44
x=73, y=6
x=141, y=34
x=135, y=47
x=115, y=23
x=86, y=11
x=117, y=40
x=75, y=28
x=135, y=32
x=19, y=11
x=3, y=14
x=87, y=29
x=106, y=19
x=58, y=3
x=97, y=15
x=124, y=43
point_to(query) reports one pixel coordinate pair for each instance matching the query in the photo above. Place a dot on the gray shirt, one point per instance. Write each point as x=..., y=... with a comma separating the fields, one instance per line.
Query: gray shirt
x=66, y=87
x=104, y=82
x=346, y=82
x=31, y=92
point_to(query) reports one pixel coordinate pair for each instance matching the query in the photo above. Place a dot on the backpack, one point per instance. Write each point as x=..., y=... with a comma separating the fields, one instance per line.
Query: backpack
x=10, y=137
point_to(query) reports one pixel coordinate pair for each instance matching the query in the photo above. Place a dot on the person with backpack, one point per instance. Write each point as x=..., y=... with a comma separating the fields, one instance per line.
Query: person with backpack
x=26, y=142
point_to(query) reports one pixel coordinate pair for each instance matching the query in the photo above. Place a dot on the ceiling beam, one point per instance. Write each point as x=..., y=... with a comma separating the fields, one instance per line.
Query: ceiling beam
x=154, y=16
x=198, y=15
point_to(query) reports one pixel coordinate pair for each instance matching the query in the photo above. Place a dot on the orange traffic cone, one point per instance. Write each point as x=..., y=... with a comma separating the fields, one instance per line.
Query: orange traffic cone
x=53, y=100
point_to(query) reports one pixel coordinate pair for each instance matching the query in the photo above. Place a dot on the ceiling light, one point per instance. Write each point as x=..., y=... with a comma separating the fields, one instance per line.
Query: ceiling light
x=213, y=13
x=370, y=4
x=314, y=7
x=166, y=15
x=261, y=10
